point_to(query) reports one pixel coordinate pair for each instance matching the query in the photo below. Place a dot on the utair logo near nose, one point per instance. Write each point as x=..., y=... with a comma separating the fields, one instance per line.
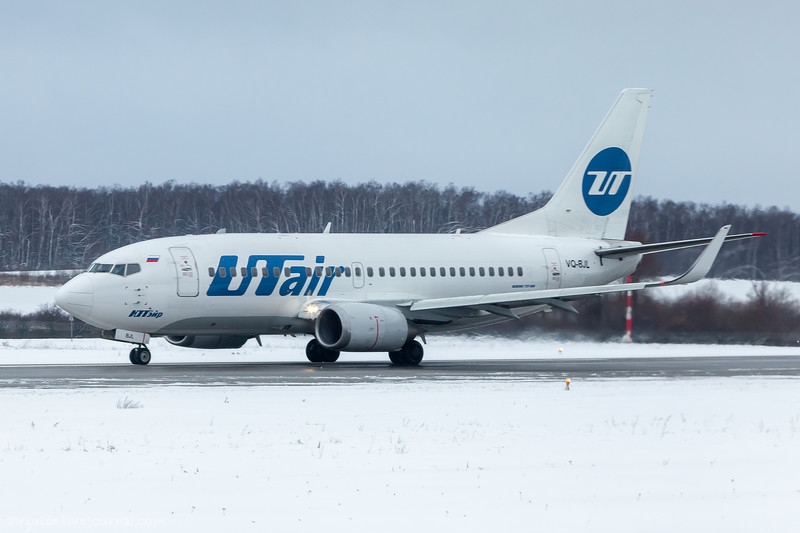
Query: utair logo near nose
x=606, y=181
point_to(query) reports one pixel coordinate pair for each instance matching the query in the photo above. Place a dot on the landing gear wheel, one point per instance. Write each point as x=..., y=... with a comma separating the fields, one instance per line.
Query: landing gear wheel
x=140, y=355
x=409, y=355
x=144, y=355
x=396, y=358
x=317, y=353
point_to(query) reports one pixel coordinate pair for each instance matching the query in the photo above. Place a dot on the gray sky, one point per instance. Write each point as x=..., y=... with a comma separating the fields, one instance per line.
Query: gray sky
x=489, y=94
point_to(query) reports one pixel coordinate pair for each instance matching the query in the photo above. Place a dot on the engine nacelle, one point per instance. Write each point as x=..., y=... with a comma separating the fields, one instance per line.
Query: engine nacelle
x=208, y=342
x=361, y=327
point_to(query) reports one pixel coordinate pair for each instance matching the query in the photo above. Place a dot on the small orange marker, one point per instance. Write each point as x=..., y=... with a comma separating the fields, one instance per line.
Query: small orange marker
x=568, y=382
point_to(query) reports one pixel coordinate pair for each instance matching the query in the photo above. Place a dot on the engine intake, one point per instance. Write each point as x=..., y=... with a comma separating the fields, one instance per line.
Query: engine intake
x=208, y=342
x=361, y=327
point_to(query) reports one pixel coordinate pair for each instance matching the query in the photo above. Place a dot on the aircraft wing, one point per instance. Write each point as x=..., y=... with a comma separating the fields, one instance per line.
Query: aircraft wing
x=503, y=303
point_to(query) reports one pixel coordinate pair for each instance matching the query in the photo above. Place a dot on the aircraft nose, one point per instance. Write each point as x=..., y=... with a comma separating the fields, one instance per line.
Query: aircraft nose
x=76, y=296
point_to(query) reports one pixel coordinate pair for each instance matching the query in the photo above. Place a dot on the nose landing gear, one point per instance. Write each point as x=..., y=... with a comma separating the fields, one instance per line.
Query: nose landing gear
x=140, y=355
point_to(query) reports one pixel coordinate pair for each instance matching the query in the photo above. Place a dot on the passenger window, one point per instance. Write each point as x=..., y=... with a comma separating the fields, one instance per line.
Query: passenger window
x=453, y=271
x=510, y=271
x=133, y=268
x=328, y=272
x=519, y=271
x=433, y=272
x=318, y=271
x=462, y=271
x=381, y=271
x=357, y=271
x=491, y=271
x=442, y=272
x=413, y=272
x=402, y=272
x=472, y=271
x=347, y=271
x=233, y=272
x=370, y=271
x=287, y=271
x=422, y=272
x=222, y=272
x=308, y=272
x=391, y=271
x=254, y=272
x=499, y=271
x=211, y=271
x=276, y=272
x=481, y=271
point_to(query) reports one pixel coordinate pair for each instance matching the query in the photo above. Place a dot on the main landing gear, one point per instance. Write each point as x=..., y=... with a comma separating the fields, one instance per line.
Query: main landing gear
x=317, y=353
x=409, y=355
x=140, y=355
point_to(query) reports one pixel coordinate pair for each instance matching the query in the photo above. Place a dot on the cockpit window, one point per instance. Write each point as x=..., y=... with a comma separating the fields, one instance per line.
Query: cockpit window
x=119, y=270
x=100, y=267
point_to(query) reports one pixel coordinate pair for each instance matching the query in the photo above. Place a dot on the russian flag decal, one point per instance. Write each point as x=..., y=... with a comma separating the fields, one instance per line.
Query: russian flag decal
x=152, y=259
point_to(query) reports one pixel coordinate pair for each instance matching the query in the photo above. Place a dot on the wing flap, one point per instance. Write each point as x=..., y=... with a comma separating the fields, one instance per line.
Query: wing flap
x=521, y=299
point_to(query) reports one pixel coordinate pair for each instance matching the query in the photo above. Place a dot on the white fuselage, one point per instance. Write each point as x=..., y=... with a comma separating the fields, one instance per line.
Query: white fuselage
x=252, y=284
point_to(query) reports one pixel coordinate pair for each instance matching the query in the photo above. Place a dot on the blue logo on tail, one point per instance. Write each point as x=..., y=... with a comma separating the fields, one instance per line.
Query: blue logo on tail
x=606, y=181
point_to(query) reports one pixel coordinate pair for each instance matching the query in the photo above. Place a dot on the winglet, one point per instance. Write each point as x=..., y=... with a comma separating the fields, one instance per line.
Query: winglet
x=702, y=265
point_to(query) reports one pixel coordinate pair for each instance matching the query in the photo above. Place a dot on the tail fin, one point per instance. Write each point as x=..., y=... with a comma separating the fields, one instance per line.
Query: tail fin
x=594, y=199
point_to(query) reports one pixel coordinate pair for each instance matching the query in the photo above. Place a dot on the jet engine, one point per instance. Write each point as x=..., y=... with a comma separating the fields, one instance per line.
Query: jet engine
x=361, y=327
x=208, y=342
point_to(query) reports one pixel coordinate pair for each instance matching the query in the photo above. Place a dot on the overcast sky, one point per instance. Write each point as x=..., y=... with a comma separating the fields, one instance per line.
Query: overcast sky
x=492, y=95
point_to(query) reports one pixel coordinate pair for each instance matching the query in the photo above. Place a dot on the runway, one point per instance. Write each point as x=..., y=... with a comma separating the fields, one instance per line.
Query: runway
x=352, y=373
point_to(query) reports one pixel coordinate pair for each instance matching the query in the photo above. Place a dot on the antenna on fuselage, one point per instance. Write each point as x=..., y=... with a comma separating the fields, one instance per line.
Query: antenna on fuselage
x=327, y=228
x=222, y=230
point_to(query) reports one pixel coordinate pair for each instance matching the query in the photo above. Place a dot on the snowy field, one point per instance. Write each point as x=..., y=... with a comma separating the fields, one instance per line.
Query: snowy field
x=702, y=454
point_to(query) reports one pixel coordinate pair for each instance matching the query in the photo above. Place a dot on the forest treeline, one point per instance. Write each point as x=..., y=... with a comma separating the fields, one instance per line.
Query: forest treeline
x=44, y=227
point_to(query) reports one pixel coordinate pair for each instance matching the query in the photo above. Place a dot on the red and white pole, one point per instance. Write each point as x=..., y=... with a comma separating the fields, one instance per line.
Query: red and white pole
x=629, y=314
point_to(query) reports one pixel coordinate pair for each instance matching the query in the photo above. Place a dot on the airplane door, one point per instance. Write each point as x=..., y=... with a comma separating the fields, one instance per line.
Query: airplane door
x=553, y=265
x=358, y=275
x=186, y=271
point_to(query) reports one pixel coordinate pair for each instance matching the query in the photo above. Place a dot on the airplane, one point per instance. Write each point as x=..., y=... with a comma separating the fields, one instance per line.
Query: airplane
x=380, y=292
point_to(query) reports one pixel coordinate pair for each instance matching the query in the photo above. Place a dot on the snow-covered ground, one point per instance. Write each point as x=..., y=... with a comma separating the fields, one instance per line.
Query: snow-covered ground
x=289, y=349
x=703, y=454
